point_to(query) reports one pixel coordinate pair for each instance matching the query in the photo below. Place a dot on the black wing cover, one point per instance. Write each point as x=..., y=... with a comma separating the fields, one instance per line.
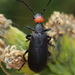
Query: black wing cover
x=38, y=52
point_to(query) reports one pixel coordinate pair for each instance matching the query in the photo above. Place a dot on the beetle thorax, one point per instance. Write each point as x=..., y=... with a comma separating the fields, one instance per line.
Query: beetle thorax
x=39, y=28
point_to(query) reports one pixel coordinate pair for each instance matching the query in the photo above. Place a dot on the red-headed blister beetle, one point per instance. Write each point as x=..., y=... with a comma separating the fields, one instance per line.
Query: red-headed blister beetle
x=39, y=40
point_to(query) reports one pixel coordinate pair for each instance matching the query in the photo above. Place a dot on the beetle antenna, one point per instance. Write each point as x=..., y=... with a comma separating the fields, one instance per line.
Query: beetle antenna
x=27, y=6
x=46, y=7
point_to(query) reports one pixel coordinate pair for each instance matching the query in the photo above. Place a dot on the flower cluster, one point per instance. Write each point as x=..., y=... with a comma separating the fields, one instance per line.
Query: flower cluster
x=12, y=57
x=61, y=23
x=4, y=24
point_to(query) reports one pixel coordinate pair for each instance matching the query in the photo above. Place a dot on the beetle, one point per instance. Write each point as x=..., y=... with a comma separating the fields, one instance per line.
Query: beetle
x=39, y=40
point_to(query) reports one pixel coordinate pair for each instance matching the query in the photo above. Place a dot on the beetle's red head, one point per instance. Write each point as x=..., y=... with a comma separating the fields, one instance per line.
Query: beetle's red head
x=38, y=18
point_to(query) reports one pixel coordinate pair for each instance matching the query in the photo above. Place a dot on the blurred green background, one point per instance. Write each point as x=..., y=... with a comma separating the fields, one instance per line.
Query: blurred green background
x=22, y=16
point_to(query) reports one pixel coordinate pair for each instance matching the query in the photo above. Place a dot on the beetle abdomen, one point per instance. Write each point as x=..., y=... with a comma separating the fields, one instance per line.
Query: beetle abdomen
x=37, y=57
x=37, y=62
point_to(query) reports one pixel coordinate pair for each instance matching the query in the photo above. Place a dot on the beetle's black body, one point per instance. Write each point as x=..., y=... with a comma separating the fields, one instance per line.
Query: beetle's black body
x=38, y=46
x=38, y=50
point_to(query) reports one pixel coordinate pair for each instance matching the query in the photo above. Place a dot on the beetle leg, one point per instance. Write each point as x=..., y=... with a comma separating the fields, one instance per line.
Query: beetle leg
x=49, y=54
x=50, y=58
x=47, y=29
x=49, y=38
x=50, y=43
x=28, y=37
x=24, y=60
x=30, y=28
